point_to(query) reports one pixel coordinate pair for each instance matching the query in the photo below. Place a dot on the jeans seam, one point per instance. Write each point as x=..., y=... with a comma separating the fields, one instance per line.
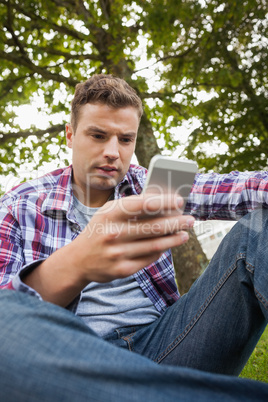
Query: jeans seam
x=250, y=267
x=128, y=338
x=260, y=297
x=129, y=341
x=207, y=302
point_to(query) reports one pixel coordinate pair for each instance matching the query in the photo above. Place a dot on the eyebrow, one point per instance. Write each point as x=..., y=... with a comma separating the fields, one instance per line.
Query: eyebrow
x=95, y=129
x=100, y=131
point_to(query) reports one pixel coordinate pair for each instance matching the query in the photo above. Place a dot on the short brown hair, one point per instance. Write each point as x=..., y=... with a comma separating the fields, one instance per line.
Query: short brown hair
x=104, y=89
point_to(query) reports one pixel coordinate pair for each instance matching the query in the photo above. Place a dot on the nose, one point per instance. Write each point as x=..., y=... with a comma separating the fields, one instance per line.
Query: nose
x=111, y=150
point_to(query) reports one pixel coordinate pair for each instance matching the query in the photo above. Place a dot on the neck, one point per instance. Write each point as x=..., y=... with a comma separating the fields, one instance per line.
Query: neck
x=95, y=199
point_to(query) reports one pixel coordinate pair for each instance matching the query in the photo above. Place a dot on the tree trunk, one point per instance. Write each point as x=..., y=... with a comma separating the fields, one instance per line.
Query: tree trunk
x=189, y=262
x=146, y=146
x=189, y=259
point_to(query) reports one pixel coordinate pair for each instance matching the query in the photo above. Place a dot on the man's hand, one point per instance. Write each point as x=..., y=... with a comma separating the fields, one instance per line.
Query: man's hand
x=127, y=234
x=123, y=236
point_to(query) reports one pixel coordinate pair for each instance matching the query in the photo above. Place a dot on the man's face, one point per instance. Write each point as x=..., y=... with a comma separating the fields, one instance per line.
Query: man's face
x=102, y=145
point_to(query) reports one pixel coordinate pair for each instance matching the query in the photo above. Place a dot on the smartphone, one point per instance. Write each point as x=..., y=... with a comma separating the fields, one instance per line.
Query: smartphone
x=169, y=175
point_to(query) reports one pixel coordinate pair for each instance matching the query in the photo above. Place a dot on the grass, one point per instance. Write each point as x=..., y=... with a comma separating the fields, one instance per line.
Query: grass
x=257, y=366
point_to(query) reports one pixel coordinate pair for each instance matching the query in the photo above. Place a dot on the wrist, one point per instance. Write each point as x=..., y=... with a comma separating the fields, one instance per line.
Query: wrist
x=57, y=279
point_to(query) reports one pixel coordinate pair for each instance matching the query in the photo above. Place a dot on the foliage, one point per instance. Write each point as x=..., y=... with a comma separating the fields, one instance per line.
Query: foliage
x=49, y=46
x=208, y=60
x=218, y=53
x=256, y=367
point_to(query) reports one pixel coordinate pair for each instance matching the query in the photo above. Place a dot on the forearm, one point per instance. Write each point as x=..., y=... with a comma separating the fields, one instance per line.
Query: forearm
x=56, y=280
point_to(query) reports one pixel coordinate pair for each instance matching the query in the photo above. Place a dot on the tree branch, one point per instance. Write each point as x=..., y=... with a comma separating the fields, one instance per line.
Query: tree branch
x=36, y=69
x=159, y=95
x=97, y=30
x=44, y=21
x=10, y=29
x=66, y=55
x=170, y=56
x=105, y=6
x=4, y=137
x=8, y=84
x=180, y=55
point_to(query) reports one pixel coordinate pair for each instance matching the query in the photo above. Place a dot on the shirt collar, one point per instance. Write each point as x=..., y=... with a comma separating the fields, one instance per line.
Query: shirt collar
x=132, y=183
x=60, y=197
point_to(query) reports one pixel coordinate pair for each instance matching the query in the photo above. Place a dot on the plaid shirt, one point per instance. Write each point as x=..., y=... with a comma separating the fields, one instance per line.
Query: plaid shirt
x=37, y=218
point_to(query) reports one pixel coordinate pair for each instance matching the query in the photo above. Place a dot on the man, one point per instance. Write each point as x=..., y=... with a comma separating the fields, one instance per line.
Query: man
x=86, y=239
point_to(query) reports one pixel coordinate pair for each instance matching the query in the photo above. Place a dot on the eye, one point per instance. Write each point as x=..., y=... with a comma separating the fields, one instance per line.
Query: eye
x=98, y=136
x=126, y=140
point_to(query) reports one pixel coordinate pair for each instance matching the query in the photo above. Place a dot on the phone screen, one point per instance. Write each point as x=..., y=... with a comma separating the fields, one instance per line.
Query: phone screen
x=171, y=181
x=167, y=175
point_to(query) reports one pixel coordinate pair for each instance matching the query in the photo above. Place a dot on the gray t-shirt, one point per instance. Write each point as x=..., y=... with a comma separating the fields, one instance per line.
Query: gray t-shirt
x=120, y=303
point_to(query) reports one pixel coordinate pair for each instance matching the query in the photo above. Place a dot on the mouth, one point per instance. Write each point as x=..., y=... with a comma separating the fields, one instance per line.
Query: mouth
x=107, y=170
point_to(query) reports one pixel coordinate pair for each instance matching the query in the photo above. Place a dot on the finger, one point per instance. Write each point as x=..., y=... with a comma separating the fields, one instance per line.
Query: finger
x=140, y=254
x=155, y=204
x=150, y=228
x=146, y=247
x=143, y=205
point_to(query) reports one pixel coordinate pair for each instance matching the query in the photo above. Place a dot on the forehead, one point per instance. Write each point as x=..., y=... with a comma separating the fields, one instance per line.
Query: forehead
x=104, y=115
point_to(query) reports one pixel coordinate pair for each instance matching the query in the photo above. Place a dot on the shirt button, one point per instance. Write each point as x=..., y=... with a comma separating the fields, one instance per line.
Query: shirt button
x=74, y=227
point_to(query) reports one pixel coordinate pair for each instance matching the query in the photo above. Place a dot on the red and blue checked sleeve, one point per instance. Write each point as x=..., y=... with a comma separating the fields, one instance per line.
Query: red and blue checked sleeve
x=11, y=250
x=227, y=196
x=12, y=259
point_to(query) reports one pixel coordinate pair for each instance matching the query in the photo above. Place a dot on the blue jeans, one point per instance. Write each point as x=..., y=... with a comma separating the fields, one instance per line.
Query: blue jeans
x=217, y=324
x=48, y=354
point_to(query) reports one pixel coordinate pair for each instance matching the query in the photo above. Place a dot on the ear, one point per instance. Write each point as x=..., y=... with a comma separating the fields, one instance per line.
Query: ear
x=69, y=135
